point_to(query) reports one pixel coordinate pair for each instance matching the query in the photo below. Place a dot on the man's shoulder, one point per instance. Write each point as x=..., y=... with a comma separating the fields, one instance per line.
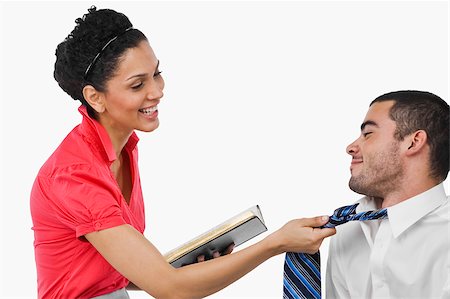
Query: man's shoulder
x=443, y=211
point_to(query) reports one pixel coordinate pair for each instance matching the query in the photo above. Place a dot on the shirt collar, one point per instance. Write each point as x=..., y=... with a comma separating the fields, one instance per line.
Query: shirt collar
x=404, y=214
x=97, y=134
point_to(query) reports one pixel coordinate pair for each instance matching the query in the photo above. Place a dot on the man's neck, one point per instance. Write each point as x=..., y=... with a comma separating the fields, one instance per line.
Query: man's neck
x=406, y=192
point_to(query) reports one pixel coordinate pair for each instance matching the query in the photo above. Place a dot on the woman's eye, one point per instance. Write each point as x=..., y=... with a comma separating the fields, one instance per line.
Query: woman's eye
x=137, y=86
x=366, y=134
x=157, y=73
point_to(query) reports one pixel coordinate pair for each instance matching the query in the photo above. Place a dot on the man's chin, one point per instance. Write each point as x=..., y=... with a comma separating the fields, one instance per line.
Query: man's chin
x=355, y=185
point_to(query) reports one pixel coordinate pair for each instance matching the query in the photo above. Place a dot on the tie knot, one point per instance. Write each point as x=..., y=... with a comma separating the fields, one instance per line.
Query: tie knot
x=345, y=211
x=348, y=213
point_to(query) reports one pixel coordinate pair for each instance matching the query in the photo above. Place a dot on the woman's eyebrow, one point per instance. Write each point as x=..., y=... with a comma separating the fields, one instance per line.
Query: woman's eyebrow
x=142, y=74
x=137, y=75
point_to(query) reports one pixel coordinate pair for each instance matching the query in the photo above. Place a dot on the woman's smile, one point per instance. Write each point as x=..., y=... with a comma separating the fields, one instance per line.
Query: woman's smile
x=150, y=112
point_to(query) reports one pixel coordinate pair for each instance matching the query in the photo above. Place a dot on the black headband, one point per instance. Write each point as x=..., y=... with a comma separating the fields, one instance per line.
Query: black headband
x=101, y=51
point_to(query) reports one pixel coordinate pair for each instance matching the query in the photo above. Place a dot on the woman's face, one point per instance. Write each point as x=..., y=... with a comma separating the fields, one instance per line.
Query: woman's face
x=132, y=95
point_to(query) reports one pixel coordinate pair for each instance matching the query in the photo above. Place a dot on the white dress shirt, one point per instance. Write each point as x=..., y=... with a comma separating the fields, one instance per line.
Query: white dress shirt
x=405, y=256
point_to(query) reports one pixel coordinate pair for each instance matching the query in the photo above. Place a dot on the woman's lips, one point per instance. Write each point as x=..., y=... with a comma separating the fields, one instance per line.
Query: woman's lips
x=150, y=112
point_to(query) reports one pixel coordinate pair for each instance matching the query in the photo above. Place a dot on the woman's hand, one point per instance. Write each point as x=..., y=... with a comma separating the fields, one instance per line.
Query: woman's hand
x=301, y=235
x=228, y=250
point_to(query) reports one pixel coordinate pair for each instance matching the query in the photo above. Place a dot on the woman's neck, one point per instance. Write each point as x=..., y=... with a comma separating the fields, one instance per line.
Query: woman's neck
x=119, y=137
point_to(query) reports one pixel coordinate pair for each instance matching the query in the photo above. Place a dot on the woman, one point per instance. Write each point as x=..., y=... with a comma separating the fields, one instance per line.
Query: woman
x=86, y=202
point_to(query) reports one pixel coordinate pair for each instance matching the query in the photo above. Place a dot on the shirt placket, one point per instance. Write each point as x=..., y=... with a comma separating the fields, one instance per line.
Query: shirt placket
x=380, y=287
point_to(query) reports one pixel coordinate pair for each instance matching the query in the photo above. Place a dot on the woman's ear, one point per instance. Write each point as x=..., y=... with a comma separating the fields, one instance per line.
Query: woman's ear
x=94, y=98
x=416, y=142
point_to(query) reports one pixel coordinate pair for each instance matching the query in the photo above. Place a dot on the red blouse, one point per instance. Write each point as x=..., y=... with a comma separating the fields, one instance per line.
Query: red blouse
x=75, y=193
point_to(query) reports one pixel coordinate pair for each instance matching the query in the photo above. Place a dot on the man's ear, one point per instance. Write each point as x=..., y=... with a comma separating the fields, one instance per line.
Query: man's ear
x=416, y=142
x=94, y=98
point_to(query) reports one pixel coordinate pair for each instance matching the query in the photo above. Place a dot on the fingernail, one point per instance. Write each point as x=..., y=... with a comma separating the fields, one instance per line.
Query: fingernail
x=325, y=218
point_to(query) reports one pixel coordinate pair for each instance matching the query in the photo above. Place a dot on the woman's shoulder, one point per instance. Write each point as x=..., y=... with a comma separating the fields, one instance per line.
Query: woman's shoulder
x=74, y=153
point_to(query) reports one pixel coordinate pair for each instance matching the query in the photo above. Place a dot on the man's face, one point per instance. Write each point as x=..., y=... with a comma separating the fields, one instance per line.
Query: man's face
x=376, y=166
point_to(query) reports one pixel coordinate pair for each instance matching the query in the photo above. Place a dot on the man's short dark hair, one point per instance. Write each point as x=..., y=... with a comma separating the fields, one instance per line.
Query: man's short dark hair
x=420, y=110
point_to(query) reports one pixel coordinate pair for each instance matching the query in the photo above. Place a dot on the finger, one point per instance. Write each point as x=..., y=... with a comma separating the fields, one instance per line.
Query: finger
x=315, y=221
x=200, y=258
x=229, y=249
x=325, y=232
x=216, y=254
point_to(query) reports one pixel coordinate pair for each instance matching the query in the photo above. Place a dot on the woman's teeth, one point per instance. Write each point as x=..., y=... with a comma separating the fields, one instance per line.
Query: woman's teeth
x=149, y=110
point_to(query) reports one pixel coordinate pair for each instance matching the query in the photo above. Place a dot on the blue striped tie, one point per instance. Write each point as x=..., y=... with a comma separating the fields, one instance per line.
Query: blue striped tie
x=301, y=278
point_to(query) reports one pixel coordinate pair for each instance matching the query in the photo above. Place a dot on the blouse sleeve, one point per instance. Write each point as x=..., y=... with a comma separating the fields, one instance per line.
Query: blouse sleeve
x=85, y=200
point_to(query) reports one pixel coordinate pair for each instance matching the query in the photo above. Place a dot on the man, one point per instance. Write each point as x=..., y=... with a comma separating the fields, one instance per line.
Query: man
x=398, y=162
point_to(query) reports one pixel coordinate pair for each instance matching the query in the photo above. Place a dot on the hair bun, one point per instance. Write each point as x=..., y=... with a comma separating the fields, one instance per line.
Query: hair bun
x=92, y=9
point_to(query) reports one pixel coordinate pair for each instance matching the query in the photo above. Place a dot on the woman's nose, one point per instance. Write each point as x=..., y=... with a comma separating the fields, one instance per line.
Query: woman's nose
x=155, y=91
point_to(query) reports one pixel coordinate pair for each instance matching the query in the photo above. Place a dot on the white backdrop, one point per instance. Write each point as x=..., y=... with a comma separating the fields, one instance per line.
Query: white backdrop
x=261, y=100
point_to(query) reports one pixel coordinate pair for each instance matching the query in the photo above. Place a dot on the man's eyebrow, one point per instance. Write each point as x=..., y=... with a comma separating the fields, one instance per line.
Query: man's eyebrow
x=368, y=123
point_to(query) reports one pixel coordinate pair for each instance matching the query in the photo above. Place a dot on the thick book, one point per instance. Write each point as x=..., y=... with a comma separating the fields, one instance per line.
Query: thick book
x=238, y=229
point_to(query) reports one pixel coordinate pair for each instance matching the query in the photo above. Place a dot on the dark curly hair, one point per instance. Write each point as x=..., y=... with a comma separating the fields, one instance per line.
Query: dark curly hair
x=420, y=110
x=86, y=40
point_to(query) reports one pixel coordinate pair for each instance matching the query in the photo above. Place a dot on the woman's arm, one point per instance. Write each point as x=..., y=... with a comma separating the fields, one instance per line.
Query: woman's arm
x=130, y=253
